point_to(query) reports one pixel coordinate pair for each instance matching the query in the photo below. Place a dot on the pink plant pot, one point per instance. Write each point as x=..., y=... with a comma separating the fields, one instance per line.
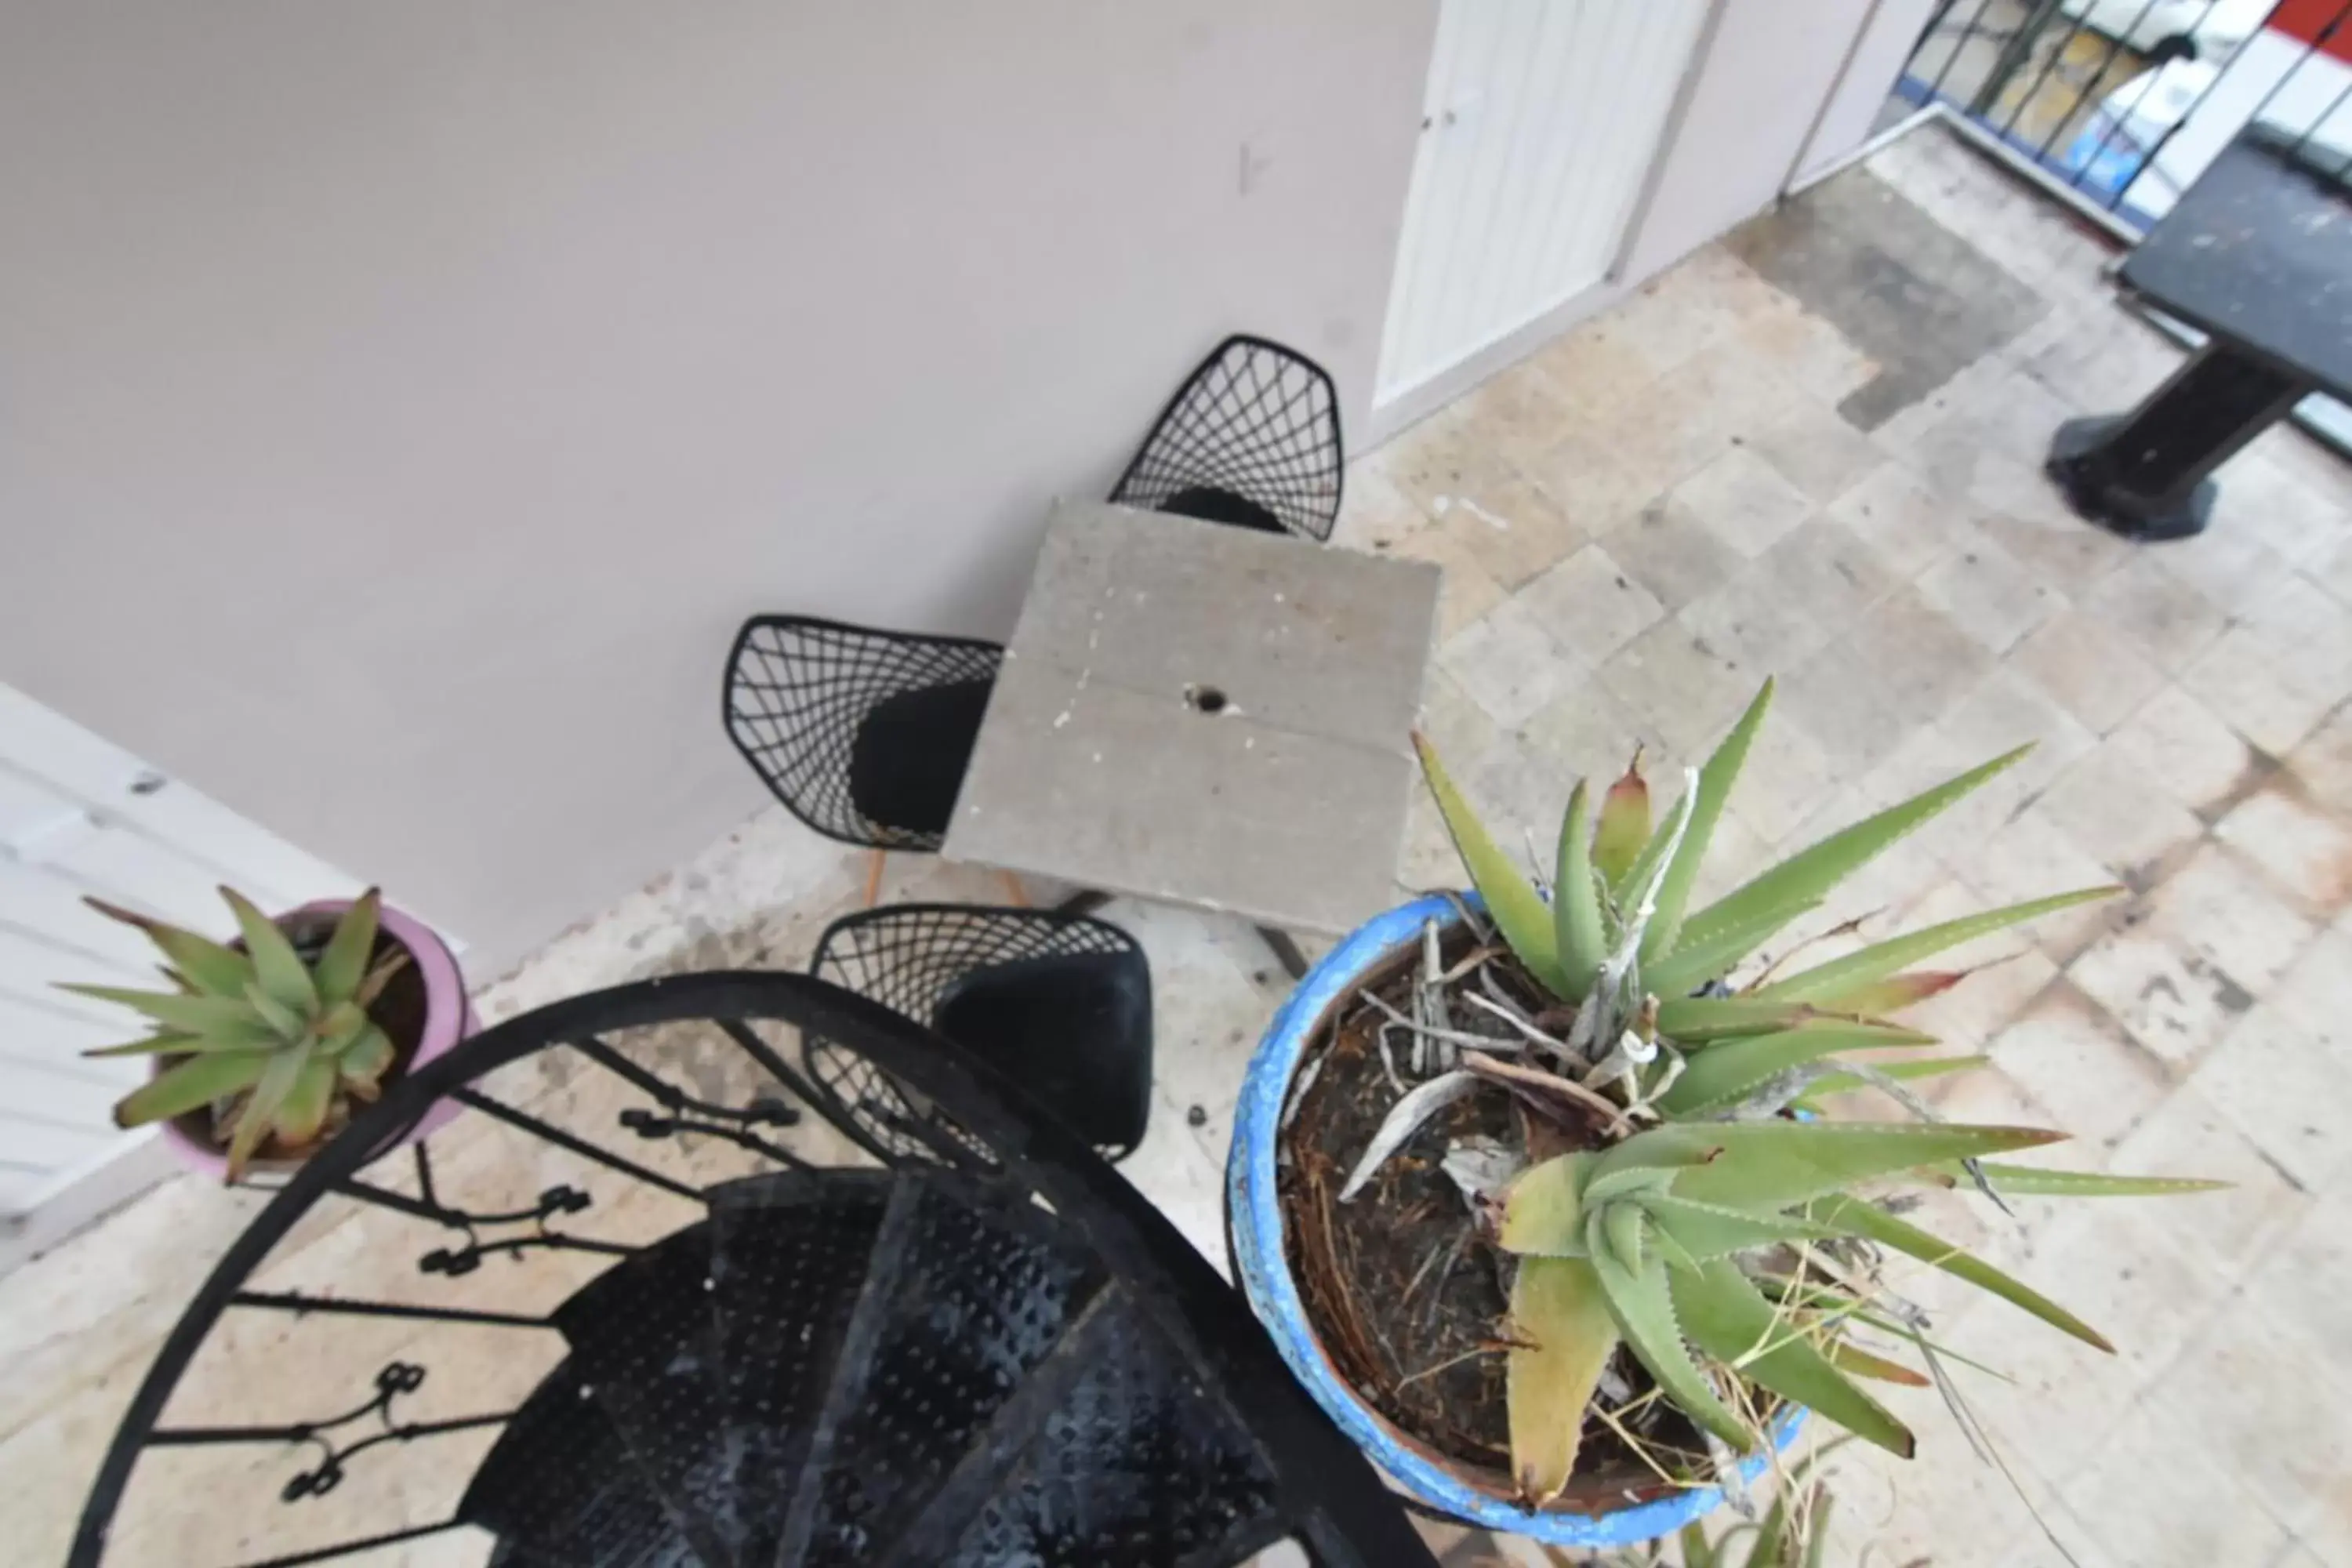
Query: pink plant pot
x=448, y=1021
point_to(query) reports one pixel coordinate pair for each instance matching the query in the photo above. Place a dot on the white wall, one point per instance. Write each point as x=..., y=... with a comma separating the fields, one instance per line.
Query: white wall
x=400, y=403
x=1888, y=35
x=1769, y=69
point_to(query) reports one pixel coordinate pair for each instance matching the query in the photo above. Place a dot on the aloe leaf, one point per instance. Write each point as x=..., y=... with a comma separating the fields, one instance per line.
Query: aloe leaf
x=1643, y=1305
x=1773, y=1164
x=1624, y=825
x=389, y=965
x=259, y=1114
x=1517, y=911
x=1543, y=1211
x=1706, y=1231
x=1829, y=983
x=1621, y=1225
x=305, y=1109
x=1576, y=900
x=1694, y=1020
x=1702, y=959
x=282, y=1023
x=161, y=1044
x=1721, y=1073
x=1562, y=1337
x=1810, y=873
x=1934, y=1067
x=364, y=1062
x=276, y=965
x=344, y=963
x=1852, y=1358
x=1881, y=998
x=1631, y=1180
x=2025, y=1182
x=1715, y=782
x=210, y=967
x=1727, y=1317
x=228, y=1020
x=1697, y=1552
x=191, y=1085
x=1867, y=1219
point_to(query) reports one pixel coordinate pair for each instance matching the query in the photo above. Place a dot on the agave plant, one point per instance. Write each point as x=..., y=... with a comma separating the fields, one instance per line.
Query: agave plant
x=1712, y=1229
x=273, y=1044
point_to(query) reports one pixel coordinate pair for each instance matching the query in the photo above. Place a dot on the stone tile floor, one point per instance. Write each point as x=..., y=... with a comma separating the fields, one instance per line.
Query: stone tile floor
x=1637, y=525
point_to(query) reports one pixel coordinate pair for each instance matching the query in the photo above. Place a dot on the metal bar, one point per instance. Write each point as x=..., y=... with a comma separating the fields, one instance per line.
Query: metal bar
x=200, y=1436
x=2191, y=113
x=596, y=1049
x=2324, y=116
x=1968, y=30
x=364, y=1544
x=2099, y=74
x=355, y=1307
x=2042, y=179
x=2041, y=79
x=2013, y=57
x=1286, y=950
x=525, y=1122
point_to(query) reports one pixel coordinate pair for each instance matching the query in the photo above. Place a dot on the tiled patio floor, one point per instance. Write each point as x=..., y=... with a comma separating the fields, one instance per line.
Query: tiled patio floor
x=1636, y=526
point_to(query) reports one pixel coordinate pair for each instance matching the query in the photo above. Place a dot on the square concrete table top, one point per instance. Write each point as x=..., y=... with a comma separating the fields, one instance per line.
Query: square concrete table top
x=1202, y=714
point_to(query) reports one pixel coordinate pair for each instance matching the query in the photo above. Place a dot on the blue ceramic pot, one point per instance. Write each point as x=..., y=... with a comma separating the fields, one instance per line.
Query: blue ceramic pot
x=1256, y=1223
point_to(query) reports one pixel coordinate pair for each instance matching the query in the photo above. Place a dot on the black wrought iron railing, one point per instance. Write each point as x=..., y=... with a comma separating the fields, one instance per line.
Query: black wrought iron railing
x=656, y=1299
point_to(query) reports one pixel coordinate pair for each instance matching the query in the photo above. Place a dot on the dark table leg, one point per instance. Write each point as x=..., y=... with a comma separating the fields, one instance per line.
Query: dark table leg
x=2147, y=474
x=1286, y=951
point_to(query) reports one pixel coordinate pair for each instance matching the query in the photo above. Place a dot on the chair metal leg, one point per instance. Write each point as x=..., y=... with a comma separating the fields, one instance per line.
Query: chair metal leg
x=1286, y=951
x=1084, y=903
x=874, y=877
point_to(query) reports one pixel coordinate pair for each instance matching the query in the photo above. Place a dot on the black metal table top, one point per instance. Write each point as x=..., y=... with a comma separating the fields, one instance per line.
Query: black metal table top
x=2259, y=252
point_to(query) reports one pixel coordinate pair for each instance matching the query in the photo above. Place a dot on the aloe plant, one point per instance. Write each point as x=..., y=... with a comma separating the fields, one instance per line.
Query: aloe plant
x=273, y=1043
x=1699, y=1232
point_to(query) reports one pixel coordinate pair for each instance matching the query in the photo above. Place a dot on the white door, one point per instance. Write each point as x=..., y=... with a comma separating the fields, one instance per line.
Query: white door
x=78, y=815
x=1539, y=124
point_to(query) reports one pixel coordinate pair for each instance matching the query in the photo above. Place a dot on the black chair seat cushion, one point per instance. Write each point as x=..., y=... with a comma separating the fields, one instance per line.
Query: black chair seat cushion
x=1212, y=504
x=1074, y=1030
x=910, y=756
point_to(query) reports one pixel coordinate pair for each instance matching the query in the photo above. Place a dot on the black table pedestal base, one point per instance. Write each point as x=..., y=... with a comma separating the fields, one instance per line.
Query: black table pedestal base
x=2147, y=474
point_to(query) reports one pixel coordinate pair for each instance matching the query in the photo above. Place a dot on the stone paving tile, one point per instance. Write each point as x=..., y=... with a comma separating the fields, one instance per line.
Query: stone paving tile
x=1637, y=525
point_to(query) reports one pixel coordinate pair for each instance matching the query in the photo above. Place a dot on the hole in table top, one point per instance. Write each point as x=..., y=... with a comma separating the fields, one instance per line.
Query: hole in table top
x=1205, y=699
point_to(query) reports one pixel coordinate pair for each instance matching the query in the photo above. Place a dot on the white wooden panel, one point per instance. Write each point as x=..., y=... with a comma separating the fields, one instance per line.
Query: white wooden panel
x=79, y=816
x=1541, y=119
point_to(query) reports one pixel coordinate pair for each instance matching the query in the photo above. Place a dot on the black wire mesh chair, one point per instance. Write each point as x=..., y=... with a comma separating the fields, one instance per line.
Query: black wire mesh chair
x=1061, y=1001
x=864, y=734
x=652, y=1305
x=1251, y=439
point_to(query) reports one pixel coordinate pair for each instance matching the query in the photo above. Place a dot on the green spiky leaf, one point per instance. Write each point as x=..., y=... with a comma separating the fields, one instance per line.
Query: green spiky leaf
x=1643, y=1305
x=277, y=966
x=191, y=1085
x=1729, y=1318
x=282, y=1023
x=1811, y=873
x=1697, y=1552
x=1543, y=1211
x=1723, y=1072
x=362, y=1065
x=1883, y=998
x=2024, y=1182
x=1562, y=1337
x=1849, y=1357
x=344, y=963
x=211, y=968
x=305, y=1110
x=163, y=1043
x=1576, y=901
x=1624, y=825
x=259, y=1115
x=1868, y=1220
x=1705, y=1231
x=1696, y=1020
x=1702, y=959
x=1715, y=783
x=1934, y=1067
x=1512, y=902
x=1831, y=984
x=1768, y=1166
x=228, y=1021
x=1621, y=1226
